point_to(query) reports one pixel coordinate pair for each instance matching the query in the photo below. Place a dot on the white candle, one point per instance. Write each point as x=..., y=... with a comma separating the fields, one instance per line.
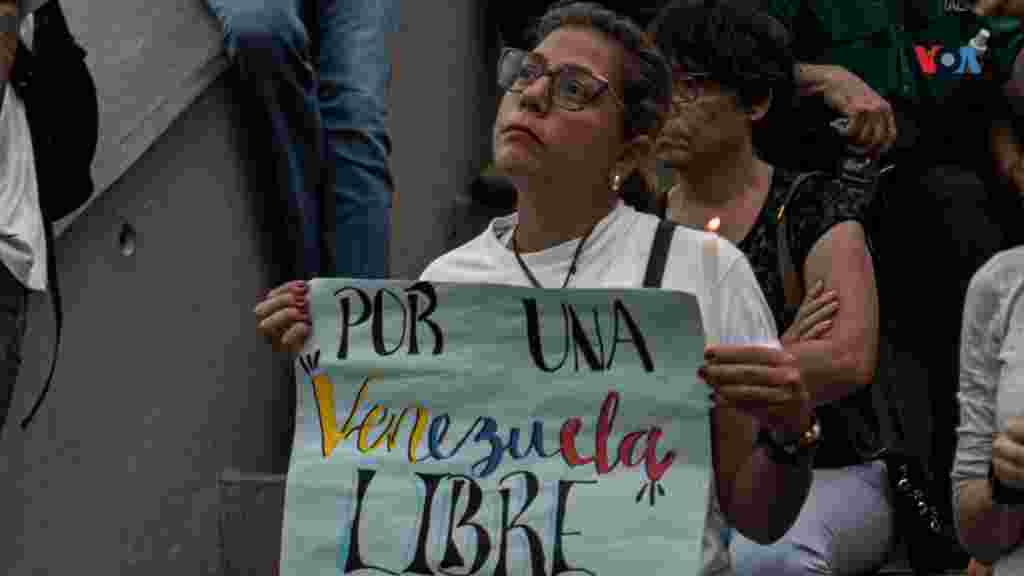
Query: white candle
x=712, y=311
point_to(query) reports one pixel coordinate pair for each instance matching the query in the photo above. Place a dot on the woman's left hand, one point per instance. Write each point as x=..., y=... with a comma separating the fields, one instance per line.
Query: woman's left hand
x=814, y=318
x=760, y=381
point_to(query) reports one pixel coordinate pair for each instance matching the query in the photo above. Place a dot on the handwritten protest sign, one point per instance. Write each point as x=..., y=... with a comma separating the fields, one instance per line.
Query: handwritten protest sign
x=447, y=429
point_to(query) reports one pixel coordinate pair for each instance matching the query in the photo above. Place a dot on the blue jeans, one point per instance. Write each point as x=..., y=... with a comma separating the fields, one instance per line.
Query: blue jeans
x=323, y=124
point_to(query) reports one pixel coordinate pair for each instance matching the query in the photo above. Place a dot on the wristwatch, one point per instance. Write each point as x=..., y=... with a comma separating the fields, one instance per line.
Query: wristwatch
x=794, y=452
x=1001, y=493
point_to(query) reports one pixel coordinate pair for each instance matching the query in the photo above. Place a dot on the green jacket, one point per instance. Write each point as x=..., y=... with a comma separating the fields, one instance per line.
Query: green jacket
x=876, y=40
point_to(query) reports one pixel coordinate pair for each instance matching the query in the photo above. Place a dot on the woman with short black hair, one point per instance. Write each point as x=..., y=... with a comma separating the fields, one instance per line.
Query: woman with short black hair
x=733, y=75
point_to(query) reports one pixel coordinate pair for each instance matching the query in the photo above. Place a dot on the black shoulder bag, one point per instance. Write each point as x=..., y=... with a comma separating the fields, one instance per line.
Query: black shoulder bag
x=60, y=99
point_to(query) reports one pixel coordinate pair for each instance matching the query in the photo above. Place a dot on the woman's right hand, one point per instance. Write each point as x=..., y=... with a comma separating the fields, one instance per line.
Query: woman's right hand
x=283, y=316
x=814, y=319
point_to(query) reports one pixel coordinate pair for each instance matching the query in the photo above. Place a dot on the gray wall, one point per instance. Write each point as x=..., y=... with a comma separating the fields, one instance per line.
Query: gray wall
x=150, y=60
x=168, y=411
x=441, y=128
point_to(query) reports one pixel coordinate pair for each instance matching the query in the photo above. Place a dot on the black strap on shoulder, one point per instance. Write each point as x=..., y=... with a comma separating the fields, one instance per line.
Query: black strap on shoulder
x=791, y=283
x=58, y=317
x=659, y=254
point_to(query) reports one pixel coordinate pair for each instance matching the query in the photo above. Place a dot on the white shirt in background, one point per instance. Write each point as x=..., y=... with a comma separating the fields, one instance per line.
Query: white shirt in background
x=991, y=374
x=22, y=237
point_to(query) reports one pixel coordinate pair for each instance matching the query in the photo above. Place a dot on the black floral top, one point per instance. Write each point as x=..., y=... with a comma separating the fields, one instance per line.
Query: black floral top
x=818, y=206
x=815, y=209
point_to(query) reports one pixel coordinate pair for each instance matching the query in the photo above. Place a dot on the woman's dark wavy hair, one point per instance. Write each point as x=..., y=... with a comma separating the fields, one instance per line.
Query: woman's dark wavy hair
x=647, y=79
x=743, y=49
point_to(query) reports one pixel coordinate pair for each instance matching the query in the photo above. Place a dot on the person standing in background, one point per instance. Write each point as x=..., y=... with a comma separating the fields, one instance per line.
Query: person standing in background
x=22, y=236
x=313, y=80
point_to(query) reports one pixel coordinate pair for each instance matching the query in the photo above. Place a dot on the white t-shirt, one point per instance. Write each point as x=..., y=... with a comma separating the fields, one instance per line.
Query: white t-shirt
x=22, y=236
x=991, y=374
x=615, y=256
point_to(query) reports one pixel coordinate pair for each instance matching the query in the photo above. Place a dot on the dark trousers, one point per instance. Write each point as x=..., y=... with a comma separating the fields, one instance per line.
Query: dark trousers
x=13, y=314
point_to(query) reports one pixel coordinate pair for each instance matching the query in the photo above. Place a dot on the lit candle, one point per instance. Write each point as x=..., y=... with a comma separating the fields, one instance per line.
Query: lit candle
x=712, y=312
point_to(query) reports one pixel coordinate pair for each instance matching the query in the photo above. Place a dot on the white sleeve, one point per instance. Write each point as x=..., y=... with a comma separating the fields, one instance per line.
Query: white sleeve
x=744, y=316
x=982, y=358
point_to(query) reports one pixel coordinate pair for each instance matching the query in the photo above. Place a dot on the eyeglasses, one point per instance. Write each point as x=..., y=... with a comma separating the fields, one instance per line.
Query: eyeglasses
x=572, y=87
x=688, y=88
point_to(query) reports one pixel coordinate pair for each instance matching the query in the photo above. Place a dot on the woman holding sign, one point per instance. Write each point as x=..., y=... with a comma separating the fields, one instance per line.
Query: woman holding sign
x=579, y=115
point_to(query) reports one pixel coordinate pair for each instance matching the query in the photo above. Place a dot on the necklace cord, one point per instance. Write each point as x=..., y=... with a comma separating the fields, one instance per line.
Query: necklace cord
x=572, y=265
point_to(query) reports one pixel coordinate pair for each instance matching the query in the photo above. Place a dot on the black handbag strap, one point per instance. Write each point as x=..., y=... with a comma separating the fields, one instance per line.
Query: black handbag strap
x=50, y=21
x=792, y=285
x=659, y=254
x=58, y=317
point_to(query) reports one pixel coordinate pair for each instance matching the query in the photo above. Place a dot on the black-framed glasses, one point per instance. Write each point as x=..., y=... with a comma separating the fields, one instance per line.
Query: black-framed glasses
x=572, y=87
x=688, y=87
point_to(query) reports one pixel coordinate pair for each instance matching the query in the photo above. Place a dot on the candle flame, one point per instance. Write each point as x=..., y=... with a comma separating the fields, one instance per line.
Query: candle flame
x=713, y=225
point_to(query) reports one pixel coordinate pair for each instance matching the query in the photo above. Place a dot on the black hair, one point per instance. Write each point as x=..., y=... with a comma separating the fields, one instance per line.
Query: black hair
x=745, y=50
x=647, y=79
